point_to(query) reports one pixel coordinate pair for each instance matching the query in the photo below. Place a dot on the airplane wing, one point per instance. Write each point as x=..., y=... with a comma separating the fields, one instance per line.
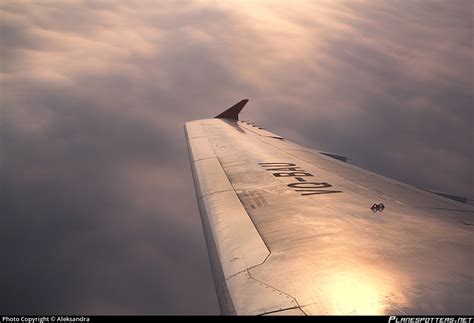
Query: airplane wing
x=291, y=230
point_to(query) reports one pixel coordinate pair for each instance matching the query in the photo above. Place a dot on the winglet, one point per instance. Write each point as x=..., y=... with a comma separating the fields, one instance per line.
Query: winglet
x=233, y=112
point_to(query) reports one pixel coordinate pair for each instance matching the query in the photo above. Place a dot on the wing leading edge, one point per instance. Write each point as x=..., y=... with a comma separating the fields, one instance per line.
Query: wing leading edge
x=290, y=230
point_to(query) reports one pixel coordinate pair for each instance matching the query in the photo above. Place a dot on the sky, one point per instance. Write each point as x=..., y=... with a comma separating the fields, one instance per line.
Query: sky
x=98, y=210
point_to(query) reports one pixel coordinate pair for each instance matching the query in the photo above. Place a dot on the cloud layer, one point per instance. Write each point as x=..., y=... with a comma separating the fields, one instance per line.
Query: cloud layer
x=98, y=209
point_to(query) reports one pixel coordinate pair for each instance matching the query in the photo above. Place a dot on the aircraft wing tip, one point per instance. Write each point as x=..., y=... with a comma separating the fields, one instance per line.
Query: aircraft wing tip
x=232, y=113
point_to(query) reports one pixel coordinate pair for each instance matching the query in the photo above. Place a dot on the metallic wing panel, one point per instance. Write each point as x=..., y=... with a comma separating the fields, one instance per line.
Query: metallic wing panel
x=301, y=231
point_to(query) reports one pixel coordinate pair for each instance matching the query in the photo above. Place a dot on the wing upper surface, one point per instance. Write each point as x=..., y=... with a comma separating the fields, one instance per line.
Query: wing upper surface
x=300, y=229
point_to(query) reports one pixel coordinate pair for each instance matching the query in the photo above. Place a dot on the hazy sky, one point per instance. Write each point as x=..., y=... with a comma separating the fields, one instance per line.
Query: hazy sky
x=98, y=212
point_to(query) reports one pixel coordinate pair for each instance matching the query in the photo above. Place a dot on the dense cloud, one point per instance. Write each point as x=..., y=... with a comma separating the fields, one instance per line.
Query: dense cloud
x=98, y=207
